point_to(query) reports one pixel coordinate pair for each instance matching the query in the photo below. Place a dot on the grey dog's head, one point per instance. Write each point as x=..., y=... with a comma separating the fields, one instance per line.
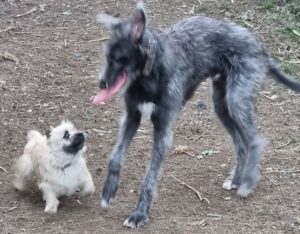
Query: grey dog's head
x=125, y=53
x=66, y=138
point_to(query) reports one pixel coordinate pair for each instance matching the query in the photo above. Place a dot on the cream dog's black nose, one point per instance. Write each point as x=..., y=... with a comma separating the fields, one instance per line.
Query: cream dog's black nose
x=78, y=139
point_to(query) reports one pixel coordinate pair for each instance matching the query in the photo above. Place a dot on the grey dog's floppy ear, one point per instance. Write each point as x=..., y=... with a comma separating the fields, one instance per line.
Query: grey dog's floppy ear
x=108, y=20
x=138, y=23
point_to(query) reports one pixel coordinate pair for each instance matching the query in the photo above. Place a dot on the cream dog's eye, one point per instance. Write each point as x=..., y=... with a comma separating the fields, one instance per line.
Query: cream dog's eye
x=67, y=135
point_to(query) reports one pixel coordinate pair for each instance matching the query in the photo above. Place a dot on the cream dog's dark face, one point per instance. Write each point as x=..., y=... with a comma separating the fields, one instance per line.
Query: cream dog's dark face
x=66, y=138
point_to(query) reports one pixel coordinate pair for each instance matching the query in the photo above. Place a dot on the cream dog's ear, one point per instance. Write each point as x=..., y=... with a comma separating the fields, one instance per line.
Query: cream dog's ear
x=48, y=132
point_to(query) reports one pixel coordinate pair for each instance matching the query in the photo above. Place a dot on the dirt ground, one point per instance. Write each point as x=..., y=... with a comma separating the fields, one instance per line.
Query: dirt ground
x=50, y=53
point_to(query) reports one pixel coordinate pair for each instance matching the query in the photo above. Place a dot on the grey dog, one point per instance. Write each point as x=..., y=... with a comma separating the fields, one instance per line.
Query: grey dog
x=158, y=73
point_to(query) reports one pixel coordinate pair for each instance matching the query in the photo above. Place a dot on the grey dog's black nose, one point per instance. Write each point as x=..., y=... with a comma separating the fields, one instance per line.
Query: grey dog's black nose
x=103, y=84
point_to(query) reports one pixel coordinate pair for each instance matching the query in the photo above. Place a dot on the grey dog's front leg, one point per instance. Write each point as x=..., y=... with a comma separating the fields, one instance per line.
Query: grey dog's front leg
x=128, y=127
x=162, y=140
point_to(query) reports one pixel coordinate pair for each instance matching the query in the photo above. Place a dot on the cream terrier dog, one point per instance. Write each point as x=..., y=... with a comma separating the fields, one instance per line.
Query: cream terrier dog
x=58, y=163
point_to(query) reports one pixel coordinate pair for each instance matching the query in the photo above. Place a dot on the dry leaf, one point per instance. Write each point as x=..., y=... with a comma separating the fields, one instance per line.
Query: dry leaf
x=181, y=149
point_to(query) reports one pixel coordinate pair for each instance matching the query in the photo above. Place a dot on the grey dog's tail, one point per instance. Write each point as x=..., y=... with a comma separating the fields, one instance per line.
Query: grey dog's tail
x=283, y=78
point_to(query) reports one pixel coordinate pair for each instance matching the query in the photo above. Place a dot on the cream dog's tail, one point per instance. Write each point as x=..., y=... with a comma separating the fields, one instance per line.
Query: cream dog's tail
x=35, y=139
x=33, y=134
x=24, y=164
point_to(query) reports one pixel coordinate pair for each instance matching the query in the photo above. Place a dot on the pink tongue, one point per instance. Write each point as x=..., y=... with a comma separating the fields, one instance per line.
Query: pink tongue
x=105, y=94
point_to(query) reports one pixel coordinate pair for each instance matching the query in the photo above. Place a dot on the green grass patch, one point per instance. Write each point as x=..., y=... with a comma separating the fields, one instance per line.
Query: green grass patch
x=267, y=4
x=291, y=69
x=293, y=7
x=288, y=68
x=293, y=33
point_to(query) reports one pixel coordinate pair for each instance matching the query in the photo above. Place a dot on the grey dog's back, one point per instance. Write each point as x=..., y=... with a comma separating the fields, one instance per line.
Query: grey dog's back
x=198, y=27
x=214, y=38
x=203, y=47
x=214, y=46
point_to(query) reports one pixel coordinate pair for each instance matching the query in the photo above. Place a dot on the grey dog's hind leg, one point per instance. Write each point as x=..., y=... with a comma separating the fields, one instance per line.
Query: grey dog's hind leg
x=221, y=109
x=241, y=91
x=162, y=122
x=128, y=127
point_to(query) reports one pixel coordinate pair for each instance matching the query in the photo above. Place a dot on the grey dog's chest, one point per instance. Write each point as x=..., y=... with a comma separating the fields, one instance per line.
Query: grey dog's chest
x=146, y=109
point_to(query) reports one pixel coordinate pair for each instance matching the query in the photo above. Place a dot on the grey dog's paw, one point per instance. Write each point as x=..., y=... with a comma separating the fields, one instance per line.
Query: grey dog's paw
x=136, y=219
x=244, y=190
x=228, y=184
x=109, y=190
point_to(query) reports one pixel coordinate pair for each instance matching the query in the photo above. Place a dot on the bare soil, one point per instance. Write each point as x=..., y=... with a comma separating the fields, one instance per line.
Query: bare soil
x=50, y=53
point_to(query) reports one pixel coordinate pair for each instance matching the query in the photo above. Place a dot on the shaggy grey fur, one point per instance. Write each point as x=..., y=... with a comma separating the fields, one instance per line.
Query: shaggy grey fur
x=185, y=55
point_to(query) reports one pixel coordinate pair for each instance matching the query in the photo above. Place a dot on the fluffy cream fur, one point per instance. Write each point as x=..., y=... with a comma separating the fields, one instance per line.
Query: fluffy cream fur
x=58, y=172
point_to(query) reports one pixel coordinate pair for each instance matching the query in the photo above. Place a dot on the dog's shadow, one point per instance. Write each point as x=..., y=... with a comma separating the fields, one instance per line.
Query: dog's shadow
x=31, y=194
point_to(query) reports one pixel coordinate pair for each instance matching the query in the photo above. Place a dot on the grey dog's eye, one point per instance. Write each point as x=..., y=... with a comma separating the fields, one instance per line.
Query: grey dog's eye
x=114, y=58
x=118, y=59
x=67, y=135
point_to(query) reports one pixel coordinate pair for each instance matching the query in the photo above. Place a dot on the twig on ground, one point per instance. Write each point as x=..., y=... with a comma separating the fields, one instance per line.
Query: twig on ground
x=78, y=201
x=284, y=145
x=144, y=131
x=272, y=181
x=292, y=61
x=8, y=208
x=191, y=188
x=205, y=1
x=27, y=13
x=3, y=169
x=6, y=29
x=96, y=40
x=265, y=96
x=101, y=131
x=202, y=222
x=10, y=57
x=12, y=208
x=198, y=223
x=197, y=137
x=284, y=171
x=214, y=215
x=257, y=203
x=248, y=24
x=31, y=33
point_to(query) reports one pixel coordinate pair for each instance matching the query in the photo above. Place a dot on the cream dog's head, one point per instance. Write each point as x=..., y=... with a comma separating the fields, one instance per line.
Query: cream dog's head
x=66, y=138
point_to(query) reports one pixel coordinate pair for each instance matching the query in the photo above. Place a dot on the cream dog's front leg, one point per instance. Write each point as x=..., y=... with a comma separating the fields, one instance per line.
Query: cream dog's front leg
x=50, y=197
